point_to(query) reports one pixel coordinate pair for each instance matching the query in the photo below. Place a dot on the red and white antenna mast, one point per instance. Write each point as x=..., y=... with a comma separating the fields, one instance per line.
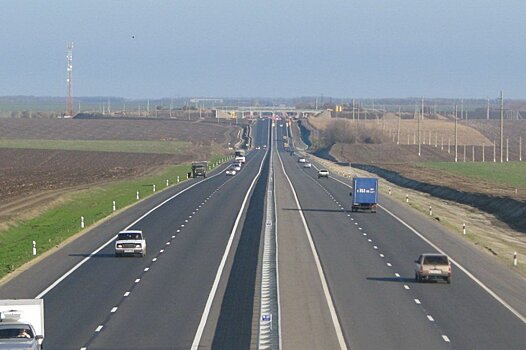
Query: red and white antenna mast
x=69, y=100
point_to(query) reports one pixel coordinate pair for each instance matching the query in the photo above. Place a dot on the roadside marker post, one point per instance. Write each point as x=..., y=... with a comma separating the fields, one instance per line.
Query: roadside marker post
x=515, y=262
x=153, y=187
x=407, y=198
x=167, y=183
x=177, y=178
x=113, y=206
x=34, y=248
x=464, y=229
x=430, y=211
x=137, y=195
x=82, y=222
x=389, y=190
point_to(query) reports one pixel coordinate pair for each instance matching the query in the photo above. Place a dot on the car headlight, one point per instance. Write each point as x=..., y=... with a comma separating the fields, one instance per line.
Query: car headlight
x=137, y=246
x=119, y=245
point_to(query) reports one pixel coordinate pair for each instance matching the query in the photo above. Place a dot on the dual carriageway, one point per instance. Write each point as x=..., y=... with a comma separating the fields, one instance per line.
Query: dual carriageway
x=345, y=280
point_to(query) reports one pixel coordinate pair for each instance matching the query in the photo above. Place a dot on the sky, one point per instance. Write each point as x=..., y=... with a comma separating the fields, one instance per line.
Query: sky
x=265, y=48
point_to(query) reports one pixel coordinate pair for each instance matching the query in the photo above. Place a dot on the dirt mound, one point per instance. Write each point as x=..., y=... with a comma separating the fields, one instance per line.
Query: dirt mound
x=389, y=153
x=514, y=130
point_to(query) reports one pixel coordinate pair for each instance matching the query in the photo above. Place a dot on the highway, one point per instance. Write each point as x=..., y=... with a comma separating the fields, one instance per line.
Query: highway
x=346, y=280
x=368, y=263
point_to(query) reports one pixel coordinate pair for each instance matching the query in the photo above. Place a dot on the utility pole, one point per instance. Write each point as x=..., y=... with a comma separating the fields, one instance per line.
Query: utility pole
x=501, y=125
x=69, y=80
x=421, y=116
x=487, y=110
x=353, y=109
x=398, y=131
x=456, y=135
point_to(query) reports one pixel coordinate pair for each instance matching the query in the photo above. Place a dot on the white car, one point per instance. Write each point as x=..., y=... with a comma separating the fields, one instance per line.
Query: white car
x=302, y=160
x=307, y=165
x=130, y=242
x=323, y=173
x=231, y=171
x=236, y=166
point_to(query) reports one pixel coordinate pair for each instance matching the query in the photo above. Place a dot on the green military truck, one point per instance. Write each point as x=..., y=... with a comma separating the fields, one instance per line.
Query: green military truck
x=199, y=169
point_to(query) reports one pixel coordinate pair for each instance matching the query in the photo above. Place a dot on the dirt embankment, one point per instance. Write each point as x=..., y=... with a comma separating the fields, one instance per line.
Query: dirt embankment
x=511, y=211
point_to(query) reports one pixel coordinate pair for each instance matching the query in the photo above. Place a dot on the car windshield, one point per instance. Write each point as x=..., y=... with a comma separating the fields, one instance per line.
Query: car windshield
x=129, y=235
x=16, y=331
x=436, y=260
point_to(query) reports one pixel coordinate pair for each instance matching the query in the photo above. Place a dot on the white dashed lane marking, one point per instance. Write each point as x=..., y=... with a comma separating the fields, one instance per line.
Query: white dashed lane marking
x=126, y=294
x=430, y=318
x=99, y=328
x=137, y=280
x=417, y=301
x=114, y=309
x=146, y=269
x=389, y=264
x=406, y=287
x=446, y=339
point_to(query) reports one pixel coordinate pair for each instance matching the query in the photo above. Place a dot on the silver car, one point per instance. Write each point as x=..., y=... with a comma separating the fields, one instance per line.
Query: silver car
x=17, y=335
x=130, y=242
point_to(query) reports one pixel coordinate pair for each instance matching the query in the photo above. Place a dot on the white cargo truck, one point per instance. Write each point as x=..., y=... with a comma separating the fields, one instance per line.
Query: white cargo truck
x=22, y=324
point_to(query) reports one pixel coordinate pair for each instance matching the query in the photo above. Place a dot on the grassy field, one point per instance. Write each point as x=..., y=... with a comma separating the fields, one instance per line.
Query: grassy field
x=60, y=223
x=510, y=173
x=159, y=147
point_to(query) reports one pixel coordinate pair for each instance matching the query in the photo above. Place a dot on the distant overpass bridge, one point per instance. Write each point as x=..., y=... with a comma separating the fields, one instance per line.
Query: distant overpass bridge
x=258, y=111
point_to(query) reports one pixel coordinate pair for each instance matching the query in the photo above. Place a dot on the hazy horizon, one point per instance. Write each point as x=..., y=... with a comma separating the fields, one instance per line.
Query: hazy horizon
x=244, y=49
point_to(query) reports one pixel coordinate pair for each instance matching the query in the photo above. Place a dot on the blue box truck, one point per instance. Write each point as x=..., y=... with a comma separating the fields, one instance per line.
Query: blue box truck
x=364, y=193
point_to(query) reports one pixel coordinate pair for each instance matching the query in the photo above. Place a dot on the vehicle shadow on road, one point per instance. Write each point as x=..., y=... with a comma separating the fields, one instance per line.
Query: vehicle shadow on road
x=313, y=209
x=98, y=255
x=392, y=279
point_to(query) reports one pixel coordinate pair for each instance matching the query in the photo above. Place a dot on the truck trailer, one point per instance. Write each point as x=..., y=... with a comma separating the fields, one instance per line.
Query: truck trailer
x=364, y=193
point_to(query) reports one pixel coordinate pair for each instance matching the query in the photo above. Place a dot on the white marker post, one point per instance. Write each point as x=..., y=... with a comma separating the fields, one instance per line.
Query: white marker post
x=464, y=229
x=153, y=187
x=113, y=206
x=407, y=198
x=177, y=178
x=82, y=222
x=430, y=211
x=34, y=248
x=389, y=190
x=167, y=183
x=137, y=196
x=515, y=262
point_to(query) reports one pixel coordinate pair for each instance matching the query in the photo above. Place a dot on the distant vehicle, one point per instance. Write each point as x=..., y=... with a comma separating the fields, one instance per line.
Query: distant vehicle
x=302, y=160
x=231, y=171
x=264, y=146
x=199, y=169
x=364, y=194
x=257, y=147
x=240, y=155
x=433, y=266
x=236, y=166
x=323, y=173
x=307, y=165
x=21, y=324
x=130, y=242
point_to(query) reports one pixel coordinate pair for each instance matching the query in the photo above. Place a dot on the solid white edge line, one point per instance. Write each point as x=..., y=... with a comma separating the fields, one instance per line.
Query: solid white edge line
x=328, y=297
x=462, y=268
x=83, y=261
x=208, y=305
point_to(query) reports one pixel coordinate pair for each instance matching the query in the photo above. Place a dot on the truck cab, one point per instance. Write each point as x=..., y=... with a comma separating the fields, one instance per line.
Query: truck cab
x=22, y=324
x=199, y=169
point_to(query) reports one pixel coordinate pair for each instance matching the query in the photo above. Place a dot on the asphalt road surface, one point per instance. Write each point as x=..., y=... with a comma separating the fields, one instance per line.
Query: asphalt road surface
x=350, y=284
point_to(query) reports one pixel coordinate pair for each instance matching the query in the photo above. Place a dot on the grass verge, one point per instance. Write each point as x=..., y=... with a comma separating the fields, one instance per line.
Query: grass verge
x=509, y=173
x=59, y=223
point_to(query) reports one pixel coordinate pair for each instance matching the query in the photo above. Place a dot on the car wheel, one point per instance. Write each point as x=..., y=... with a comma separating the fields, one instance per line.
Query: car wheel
x=448, y=280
